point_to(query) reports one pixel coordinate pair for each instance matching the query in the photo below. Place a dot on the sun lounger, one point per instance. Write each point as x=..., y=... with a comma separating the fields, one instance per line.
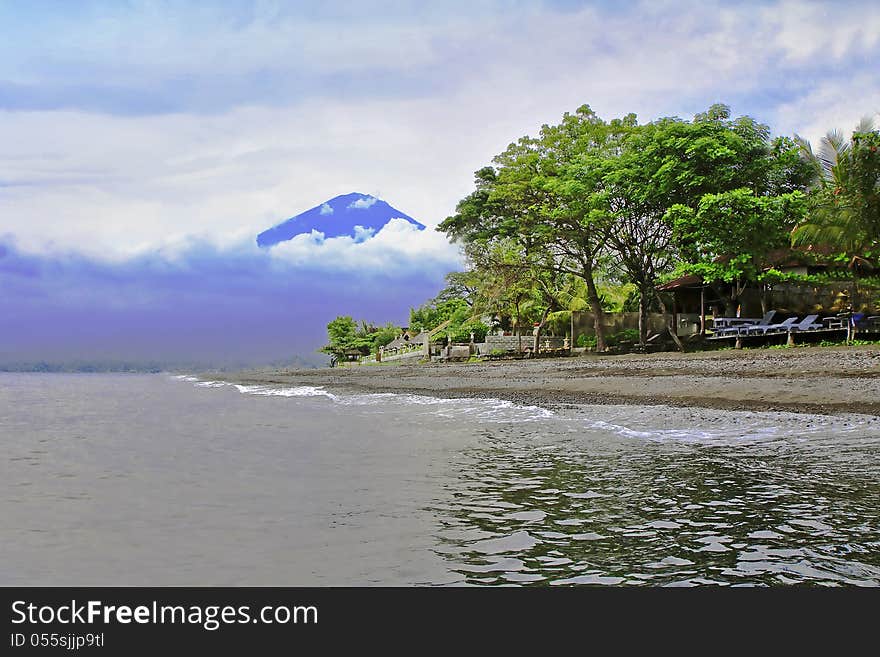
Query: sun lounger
x=808, y=324
x=782, y=327
x=747, y=324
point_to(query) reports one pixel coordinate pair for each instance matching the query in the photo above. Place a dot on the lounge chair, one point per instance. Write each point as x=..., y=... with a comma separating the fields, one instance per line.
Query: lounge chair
x=808, y=324
x=742, y=329
x=782, y=327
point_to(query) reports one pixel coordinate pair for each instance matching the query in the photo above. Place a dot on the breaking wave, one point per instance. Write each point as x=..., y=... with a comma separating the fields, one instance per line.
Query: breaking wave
x=647, y=423
x=487, y=410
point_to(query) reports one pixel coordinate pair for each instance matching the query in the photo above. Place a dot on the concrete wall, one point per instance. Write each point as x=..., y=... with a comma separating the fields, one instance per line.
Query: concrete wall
x=831, y=298
x=414, y=355
x=616, y=322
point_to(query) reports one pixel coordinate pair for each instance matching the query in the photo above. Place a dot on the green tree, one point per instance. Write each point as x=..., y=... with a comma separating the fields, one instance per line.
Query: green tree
x=535, y=196
x=670, y=163
x=342, y=335
x=346, y=335
x=845, y=200
x=730, y=235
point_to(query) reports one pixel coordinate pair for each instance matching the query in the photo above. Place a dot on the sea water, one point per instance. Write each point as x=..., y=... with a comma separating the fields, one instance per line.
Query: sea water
x=162, y=480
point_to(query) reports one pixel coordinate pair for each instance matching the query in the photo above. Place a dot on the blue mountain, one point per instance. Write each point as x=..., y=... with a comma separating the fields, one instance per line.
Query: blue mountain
x=337, y=217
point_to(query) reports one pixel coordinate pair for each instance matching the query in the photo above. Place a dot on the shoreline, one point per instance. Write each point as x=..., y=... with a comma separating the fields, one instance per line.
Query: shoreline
x=816, y=380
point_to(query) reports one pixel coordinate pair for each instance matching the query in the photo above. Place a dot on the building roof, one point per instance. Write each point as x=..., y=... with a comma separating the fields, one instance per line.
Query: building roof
x=691, y=280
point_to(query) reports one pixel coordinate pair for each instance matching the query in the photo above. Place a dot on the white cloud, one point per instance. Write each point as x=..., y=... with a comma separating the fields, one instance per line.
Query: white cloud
x=398, y=248
x=809, y=31
x=363, y=203
x=326, y=209
x=830, y=105
x=115, y=185
x=362, y=234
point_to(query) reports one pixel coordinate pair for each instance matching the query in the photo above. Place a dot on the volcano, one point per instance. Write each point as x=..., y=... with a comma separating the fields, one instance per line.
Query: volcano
x=351, y=215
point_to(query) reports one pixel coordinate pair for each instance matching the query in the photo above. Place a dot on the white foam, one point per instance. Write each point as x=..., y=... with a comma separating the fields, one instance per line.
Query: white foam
x=663, y=423
x=650, y=423
x=485, y=410
x=275, y=391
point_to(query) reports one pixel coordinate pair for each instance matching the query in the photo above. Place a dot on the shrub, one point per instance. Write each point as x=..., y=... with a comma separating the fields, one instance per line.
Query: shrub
x=584, y=340
x=462, y=333
x=626, y=335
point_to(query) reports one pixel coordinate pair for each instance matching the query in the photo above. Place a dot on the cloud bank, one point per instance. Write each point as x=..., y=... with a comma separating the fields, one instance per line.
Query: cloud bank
x=201, y=305
x=127, y=125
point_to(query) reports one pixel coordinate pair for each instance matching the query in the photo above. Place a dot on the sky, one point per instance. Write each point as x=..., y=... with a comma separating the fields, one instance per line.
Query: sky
x=173, y=133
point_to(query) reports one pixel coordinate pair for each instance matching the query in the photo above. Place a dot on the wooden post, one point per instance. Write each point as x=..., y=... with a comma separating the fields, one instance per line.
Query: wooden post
x=674, y=317
x=703, y=311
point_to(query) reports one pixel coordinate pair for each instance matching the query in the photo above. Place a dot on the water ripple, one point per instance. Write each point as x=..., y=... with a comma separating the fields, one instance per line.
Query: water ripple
x=590, y=511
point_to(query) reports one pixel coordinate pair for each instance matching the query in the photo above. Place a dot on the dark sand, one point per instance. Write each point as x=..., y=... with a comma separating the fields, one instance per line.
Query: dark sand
x=810, y=379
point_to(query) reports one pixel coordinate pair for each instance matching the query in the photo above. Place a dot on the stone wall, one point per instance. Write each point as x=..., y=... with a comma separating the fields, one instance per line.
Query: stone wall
x=512, y=342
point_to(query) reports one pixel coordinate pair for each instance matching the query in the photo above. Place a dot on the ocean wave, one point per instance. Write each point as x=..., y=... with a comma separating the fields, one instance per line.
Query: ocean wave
x=276, y=391
x=649, y=423
x=486, y=410
x=711, y=426
x=211, y=384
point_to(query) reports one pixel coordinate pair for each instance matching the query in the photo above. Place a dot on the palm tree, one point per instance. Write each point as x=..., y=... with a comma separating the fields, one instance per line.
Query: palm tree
x=845, y=212
x=572, y=297
x=845, y=207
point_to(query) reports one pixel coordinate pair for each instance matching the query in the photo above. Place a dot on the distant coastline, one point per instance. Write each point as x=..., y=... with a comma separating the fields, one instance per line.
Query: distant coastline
x=82, y=368
x=137, y=366
x=821, y=380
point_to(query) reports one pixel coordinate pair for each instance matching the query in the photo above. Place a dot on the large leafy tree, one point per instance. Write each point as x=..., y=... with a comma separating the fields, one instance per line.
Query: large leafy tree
x=730, y=236
x=594, y=199
x=674, y=163
x=576, y=229
x=536, y=196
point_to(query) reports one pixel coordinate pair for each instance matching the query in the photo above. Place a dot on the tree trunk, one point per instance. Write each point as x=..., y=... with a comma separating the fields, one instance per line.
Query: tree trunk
x=595, y=307
x=669, y=328
x=853, y=307
x=643, y=316
x=517, y=329
x=765, y=299
x=536, y=344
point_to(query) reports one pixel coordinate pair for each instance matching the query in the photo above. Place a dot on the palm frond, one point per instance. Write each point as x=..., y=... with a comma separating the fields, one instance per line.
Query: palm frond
x=866, y=124
x=832, y=149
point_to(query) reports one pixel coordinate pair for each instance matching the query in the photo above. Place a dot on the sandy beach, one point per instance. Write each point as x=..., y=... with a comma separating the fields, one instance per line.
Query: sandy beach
x=809, y=380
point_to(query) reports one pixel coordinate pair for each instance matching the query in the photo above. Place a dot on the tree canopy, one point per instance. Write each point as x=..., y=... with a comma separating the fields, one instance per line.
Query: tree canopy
x=627, y=203
x=593, y=214
x=346, y=336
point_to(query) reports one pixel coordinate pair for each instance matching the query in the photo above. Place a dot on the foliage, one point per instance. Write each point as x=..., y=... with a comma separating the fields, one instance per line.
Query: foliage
x=730, y=236
x=462, y=332
x=845, y=207
x=346, y=335
x=435, y=312
x=625, y=335
x=593, y=214
x=584, y=340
